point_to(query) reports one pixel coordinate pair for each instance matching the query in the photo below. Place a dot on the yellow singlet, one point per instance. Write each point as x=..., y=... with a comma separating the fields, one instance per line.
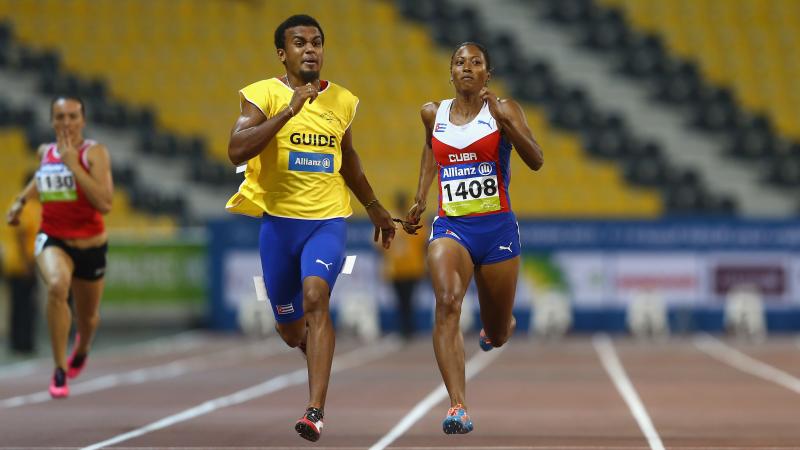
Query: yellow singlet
x=297, y=174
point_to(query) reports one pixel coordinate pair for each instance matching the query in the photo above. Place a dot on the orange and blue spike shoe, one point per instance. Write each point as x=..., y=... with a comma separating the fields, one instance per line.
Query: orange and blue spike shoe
x=309, y=426
x=457, y=421
x=484, y=341
x=58, y=384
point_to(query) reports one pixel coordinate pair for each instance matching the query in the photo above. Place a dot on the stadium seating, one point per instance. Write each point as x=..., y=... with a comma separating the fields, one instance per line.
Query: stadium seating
x=749, y=46
x=604, y=135
x=16, y=161
x=186, y=59
x=727, y=63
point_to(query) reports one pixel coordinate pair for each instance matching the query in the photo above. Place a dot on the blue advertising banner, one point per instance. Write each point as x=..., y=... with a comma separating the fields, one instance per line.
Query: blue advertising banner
x=661, y=235
x=600, y=266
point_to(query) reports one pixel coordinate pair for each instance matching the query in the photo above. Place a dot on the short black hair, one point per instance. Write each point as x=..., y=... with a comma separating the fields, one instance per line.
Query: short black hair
x=298, y=20
x=68, y=97
x=481, y=47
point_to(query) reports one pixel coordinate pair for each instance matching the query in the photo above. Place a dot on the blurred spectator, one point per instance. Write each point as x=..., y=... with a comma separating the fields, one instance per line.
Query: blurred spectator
x=404, y=266
x=19, y=268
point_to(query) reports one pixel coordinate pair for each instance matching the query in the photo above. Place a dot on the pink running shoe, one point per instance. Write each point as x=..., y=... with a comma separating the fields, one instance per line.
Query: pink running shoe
x=76, y=362
x=58, y=384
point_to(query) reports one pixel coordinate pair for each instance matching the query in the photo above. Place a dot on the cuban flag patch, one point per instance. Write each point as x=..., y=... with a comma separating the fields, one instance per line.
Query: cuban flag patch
x=285, y=309
x=439, y=127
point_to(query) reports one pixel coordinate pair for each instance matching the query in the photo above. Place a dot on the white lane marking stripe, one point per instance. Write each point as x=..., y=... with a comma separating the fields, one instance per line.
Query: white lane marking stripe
x=182, y=341
x=718, y=350
x=461, y=447
x=351, y=359
x=160, y=372
x=473, y=367
x=608, y=356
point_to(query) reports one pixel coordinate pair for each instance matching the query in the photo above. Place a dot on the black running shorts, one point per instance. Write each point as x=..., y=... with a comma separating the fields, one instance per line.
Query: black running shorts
x=90, y=263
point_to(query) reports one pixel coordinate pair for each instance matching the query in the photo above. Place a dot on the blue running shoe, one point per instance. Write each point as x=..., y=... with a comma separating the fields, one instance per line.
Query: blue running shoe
x=457, y=421
x=484, y=342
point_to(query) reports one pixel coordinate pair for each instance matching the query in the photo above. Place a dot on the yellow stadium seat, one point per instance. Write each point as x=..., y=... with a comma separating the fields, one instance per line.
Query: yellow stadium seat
x=739, y=44
x=17, y=161
x=188, y=58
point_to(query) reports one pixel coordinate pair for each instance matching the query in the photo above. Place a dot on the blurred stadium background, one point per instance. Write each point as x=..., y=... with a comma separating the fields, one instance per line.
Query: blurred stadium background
x=670, y=130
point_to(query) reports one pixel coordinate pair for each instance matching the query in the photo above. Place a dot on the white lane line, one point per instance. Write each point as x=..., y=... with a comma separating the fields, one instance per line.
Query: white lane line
x=461, y=447
x=718, y=350
x=160, y=372
x=608, y=356
x=183, y=341
x=541, y=447
x=349, y=360
x=473, y=367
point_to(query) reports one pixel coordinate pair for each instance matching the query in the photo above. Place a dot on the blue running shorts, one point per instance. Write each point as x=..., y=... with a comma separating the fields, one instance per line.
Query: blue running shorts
x=488, y=239
x=293, y=249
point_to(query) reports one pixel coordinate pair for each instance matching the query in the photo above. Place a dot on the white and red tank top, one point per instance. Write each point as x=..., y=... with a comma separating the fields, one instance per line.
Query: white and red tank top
x=473, y=162
x=66, y=212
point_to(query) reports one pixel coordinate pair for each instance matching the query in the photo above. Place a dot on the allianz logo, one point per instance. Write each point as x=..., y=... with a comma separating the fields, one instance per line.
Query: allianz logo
x=309, y=162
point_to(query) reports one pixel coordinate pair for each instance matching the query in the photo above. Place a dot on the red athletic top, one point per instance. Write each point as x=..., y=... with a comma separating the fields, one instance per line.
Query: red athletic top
x=66, y=212
x=473, y=162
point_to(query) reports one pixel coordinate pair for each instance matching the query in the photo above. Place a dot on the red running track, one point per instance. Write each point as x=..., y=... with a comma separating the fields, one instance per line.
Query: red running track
x=580, y=394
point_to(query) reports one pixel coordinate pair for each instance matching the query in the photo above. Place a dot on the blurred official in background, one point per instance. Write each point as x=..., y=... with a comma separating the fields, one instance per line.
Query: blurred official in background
x=404, y=268
x=19, y=269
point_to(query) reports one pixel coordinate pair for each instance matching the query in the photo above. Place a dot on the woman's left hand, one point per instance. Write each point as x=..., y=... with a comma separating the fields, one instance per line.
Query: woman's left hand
x=494, y=104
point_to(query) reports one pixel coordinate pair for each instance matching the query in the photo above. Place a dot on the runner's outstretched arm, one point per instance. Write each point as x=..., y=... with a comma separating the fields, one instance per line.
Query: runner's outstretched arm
x=356, y=180
x=427, y=165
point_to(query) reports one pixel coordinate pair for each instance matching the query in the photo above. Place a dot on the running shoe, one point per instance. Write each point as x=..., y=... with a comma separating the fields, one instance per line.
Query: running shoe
x=75, y=362
x=310, y=425
x=457, y=421
x=484, y=341
x=58, y=384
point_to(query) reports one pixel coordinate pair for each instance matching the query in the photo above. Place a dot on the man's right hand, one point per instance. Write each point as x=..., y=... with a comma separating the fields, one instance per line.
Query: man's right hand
x=302, y=93
x=384, y=227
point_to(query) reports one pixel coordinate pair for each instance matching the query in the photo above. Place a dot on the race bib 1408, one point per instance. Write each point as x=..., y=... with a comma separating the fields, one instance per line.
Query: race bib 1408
x=56, y=183
x=469, y=188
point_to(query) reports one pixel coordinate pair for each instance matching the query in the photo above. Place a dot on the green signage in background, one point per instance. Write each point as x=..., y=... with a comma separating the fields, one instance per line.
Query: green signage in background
x=156, y=273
